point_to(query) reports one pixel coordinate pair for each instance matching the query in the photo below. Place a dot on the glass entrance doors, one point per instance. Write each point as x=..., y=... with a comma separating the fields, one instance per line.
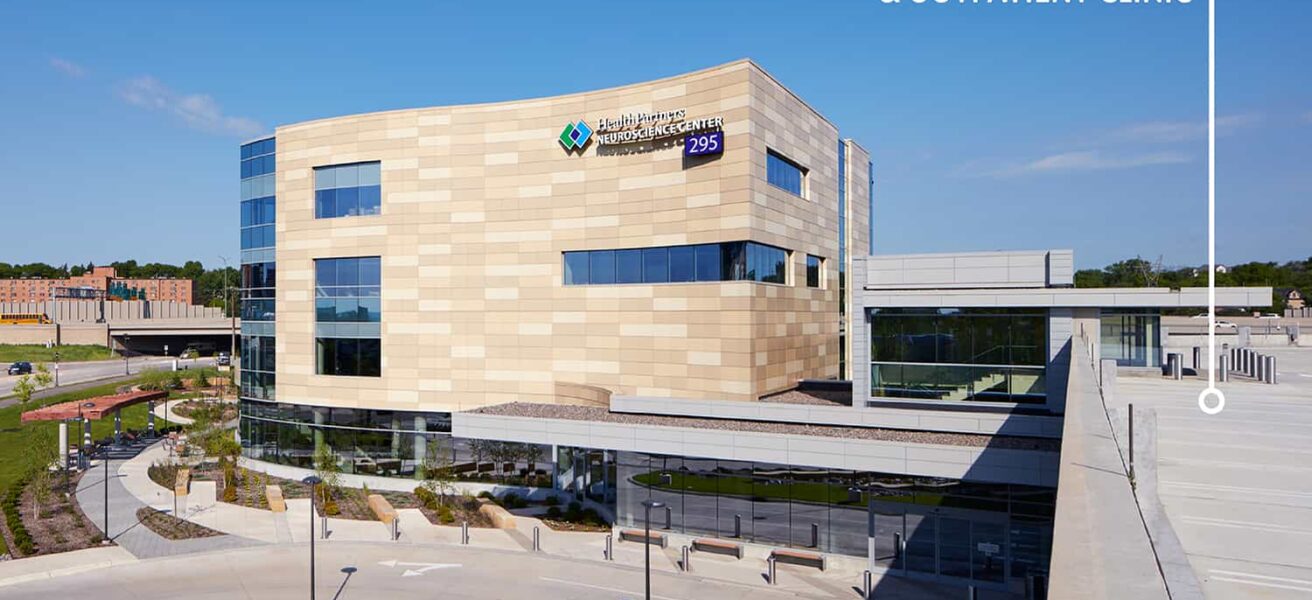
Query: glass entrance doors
x=960, y=544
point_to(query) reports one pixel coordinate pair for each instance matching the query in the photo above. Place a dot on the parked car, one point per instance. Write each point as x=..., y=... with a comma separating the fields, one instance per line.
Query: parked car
x=223, y=359
x=1268, y=316
x=1200, y=316
x=1224, y=324
x=20, y=368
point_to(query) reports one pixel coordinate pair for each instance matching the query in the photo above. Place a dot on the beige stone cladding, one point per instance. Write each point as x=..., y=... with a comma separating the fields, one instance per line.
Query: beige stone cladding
x=480, y=202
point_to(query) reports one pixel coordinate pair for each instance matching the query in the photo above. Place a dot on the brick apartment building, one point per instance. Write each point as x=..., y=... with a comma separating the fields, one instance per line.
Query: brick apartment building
x=100, y=281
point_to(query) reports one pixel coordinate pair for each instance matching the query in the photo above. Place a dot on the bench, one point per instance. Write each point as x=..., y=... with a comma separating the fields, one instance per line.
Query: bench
x=638, y=535
x=273, y=494
x=382, y=508
x=718, y=547
x=182, y=482
x=797, y=557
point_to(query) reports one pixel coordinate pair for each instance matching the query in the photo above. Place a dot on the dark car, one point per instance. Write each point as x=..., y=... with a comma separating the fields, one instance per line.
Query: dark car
x=20, y=368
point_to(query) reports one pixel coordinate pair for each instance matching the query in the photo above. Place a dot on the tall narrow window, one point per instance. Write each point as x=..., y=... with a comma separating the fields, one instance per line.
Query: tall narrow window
x=784, y=174
x=348, y=310
x=814, y=267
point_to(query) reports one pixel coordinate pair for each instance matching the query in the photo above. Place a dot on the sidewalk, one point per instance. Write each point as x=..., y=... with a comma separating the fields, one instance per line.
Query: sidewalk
x=50, y=566
x=254, y=526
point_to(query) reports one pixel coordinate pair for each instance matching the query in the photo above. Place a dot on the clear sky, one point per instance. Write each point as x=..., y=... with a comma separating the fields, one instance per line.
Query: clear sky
x=991, y=127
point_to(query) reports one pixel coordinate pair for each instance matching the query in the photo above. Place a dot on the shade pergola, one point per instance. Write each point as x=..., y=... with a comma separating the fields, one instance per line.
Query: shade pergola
x=93, y=408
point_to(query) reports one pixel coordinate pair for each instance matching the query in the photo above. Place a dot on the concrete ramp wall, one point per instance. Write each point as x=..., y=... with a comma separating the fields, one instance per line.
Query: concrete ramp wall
x=90, y=311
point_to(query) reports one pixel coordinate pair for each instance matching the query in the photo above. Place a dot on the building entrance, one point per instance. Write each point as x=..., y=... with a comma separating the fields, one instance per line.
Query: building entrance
x=936, y=543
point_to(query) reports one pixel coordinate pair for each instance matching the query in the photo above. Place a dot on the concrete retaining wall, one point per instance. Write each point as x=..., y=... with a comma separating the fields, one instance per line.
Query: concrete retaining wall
x=90, y=311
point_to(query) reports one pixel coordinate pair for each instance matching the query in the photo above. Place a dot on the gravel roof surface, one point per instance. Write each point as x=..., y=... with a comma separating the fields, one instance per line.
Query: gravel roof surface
x=811, y=397
x=593, y=413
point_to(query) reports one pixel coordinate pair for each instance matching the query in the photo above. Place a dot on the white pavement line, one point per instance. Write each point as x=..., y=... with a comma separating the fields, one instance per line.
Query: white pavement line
x=1261, y=580
x=1232, y=488
x=603, y=588
x=1231, y=463
x=1269, y=527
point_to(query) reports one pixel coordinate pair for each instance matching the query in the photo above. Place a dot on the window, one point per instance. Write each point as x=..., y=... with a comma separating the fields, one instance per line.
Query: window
x=989, y=355
x=347, y=299
x=257, y=217
x=257, y=158
x=347, y=190
x=814, y=266
x=727, y=261
x=783, y=173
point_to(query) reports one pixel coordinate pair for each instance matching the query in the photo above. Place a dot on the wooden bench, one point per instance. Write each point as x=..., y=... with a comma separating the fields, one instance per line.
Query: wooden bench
x=797, y=557
x=382, y=508
x=182, y=482
x=638, y=535
x=718, y=547
x=273, y=494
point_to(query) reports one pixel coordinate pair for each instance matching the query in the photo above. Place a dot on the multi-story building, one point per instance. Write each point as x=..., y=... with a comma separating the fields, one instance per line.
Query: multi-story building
x=99, y=282
x=644, y=291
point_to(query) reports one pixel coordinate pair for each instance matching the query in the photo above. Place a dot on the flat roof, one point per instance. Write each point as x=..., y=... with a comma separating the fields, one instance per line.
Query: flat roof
x=91, y=408
x=598, y=414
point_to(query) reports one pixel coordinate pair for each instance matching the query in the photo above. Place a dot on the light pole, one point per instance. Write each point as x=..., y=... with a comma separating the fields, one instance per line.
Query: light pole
x=124, y=344
x=646, y=541
x=232, y=341
x=312, y=481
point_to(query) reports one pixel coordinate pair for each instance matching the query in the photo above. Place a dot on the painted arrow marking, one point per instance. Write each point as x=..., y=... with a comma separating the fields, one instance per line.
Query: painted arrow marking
x=423, y=567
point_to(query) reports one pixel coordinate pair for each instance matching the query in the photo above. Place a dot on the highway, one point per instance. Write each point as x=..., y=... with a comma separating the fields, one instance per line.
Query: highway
x=79, y=372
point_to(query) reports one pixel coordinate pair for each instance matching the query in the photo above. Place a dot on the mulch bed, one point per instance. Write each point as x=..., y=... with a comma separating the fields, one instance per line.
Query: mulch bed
x=171, y=527
x=187, y=407
x=558, y=525
x=463, y=509
x=62, y=526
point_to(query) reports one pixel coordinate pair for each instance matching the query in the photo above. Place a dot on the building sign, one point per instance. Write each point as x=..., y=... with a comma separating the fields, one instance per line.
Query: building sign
x=704, y=143
x=636, y=128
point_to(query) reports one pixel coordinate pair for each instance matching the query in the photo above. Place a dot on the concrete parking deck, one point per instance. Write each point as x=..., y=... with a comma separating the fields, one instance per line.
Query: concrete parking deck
x=1237, y=487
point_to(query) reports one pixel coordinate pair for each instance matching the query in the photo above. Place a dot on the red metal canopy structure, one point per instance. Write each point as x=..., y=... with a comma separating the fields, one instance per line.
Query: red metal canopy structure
x=92, y=408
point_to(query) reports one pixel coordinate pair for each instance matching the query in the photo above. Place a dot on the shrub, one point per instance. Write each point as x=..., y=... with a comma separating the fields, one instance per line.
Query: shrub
x=230, y=493
x=590, y=516
x=574, y=507
x=551, y=501
x=445, y=515
x=486, y=494
x=97, y=538
x=175, y=381
x=553, y=512
x=509, y=500
x=330, y=508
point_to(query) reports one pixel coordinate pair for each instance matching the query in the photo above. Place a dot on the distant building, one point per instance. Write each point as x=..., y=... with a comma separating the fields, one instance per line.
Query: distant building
x=1293, y=298
x=101, y=281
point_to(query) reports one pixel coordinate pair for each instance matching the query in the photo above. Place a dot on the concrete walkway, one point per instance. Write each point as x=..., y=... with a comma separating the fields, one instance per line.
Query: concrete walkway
x=127, y=494
x=254, y=526
x=49, y=566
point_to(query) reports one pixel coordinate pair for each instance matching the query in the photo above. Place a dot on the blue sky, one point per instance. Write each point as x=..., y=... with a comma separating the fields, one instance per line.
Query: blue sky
x=992, y=127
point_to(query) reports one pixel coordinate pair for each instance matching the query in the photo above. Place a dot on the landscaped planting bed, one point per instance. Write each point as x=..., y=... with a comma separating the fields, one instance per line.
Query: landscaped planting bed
x=171, y=527
x=60, y=527
x=187, y=407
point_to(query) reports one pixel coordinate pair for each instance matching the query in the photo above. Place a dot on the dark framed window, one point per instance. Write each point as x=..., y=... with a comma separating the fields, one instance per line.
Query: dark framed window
x=348, y=290
x=814, y=267
x=727, y=261
x=348, y=356
x=348, y=190
x=784, y=173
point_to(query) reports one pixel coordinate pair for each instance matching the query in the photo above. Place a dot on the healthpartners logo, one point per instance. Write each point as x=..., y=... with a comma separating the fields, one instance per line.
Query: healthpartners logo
x=575, y=136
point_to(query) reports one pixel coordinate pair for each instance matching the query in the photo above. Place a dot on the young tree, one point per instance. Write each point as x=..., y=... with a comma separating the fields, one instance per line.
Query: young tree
x=41, y=450
x=328, y=471
x=28, y=385
x=438, y=469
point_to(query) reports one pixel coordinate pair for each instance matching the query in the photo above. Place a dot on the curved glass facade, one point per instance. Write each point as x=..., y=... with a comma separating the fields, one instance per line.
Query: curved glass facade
x=258, y=269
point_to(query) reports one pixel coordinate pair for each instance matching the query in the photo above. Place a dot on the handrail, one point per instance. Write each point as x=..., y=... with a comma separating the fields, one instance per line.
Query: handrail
x=984, y=366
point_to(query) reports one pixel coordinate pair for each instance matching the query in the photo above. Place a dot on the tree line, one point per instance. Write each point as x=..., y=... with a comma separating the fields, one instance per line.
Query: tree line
x=1137, y=272
x=209, y=282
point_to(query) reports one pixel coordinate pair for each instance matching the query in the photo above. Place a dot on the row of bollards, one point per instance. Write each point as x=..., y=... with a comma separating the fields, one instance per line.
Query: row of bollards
x=1249, y=363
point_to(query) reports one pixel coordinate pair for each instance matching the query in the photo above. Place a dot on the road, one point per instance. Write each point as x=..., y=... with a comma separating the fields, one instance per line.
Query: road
x=361, y=570
x=78, y=372
x=1237, y=486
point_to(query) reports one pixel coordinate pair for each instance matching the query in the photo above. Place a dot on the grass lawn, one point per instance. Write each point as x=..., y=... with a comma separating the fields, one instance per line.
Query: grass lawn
x=35, y=353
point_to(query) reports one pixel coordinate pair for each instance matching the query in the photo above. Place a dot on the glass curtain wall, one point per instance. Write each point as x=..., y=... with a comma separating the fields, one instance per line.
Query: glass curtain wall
x=952, y=528
x=728, y=261
x=258, y=283
x=1133, y=337
x=951, y=354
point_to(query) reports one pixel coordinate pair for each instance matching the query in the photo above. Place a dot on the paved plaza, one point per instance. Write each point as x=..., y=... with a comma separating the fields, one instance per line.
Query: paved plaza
x=1237, y=486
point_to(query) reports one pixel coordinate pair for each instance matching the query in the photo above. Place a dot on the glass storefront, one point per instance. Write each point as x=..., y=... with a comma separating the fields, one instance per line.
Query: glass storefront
x=947, y=527
x=981, y=355
x=1132, y=337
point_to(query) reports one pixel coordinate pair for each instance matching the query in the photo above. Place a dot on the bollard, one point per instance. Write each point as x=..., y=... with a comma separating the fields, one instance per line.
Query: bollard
x=737, y=526
x=669, y=519
x=867, y=586
x=537, y=541
x=897, y=545
x=323, y=527
x=1259, y=368
x=769, y=563
x=396, y=528
x=1198, y=359
x=1177, y=365
x=610, y=548
x=815, y=535
x=1223, y=368
x=1271, y=369
x=687, y=566
x=972, y=593
x=464, y=535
